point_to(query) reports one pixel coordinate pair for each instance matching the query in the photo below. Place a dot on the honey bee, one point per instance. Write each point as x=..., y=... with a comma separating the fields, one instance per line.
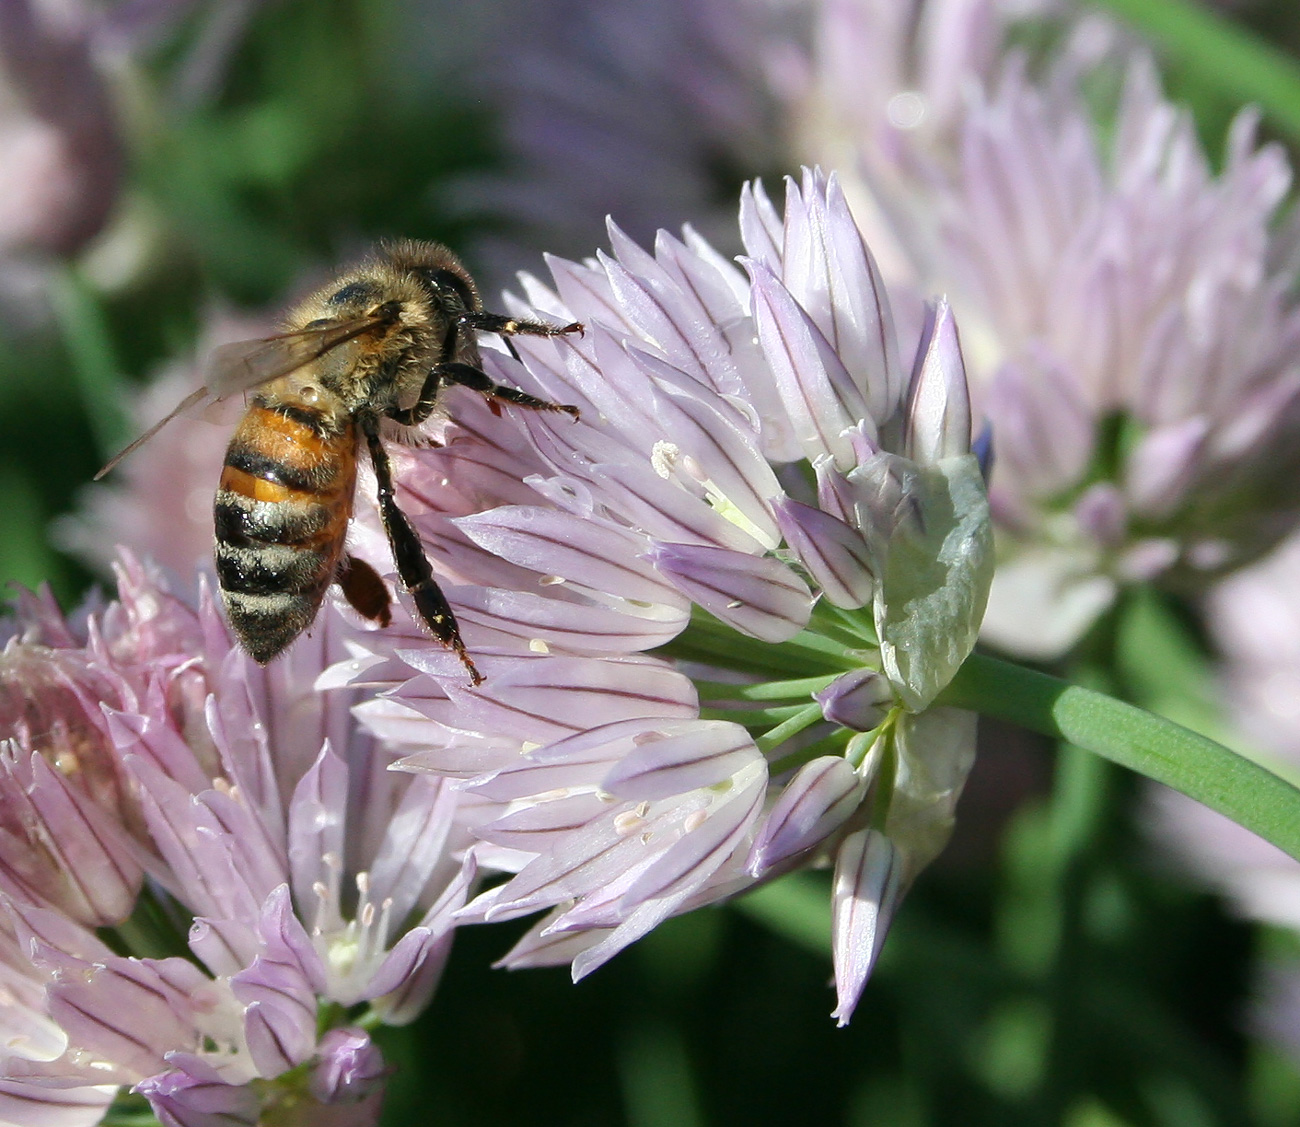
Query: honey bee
x=379, y=342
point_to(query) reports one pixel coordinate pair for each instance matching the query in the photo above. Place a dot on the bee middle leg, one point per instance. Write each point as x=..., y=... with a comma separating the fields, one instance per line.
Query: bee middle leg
x=468, y=376
x=412, y=565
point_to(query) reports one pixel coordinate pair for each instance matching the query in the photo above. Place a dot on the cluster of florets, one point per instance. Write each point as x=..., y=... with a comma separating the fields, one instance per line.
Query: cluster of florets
x=153, y=780
x=752, y=460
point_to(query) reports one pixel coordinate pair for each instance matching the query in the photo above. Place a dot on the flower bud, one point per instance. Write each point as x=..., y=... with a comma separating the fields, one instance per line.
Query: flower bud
x=856, y=700
x=814, y=804
x=349, y=1067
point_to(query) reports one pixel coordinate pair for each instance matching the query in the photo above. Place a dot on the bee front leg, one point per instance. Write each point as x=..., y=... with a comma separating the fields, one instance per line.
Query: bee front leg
x=468, y=376
x=408, y=553
x=505, y=326
x=478, y=320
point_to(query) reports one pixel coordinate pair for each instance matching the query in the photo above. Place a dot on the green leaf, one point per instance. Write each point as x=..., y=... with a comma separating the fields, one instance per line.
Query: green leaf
x=1134, y=738
x=1243, y=66
x=89, y=342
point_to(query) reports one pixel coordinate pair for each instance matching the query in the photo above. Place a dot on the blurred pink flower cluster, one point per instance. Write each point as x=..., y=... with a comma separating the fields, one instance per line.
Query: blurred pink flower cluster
x=156, y=783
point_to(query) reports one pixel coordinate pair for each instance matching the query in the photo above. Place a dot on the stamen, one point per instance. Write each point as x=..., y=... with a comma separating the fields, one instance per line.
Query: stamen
x=694, y=820
x=629, y=821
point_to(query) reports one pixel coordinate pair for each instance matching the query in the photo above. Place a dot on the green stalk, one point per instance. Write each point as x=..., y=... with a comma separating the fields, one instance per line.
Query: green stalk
x=764, y=690
x=89, y=341
x=1134, y=738
x=792, y=726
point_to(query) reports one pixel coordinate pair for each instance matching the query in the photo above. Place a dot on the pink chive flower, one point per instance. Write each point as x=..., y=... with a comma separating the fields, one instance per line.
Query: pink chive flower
x=627, y=108
x=151, y=769
x=1118, y=296
x=758, y=487
x=1141, y=382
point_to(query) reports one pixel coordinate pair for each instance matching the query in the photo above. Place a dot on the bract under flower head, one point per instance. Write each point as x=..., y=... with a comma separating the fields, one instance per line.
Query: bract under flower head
x=316, y=880
x=752, y=460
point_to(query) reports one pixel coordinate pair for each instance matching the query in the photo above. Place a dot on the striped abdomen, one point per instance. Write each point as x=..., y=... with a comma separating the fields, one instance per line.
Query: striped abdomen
x=281, y=515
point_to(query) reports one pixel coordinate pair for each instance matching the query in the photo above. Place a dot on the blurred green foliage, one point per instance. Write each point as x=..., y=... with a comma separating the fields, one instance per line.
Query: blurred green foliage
x=1043, y=973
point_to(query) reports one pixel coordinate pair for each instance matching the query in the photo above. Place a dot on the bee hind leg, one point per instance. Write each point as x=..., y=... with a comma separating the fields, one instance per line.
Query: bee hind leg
x=412, y=565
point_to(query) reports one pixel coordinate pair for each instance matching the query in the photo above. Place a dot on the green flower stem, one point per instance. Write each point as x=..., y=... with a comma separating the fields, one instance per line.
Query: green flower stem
x=1134, y=738
x=712, y=642
x=752, y=717
x=1243, y=66
x=765, y=690
x=802, y=719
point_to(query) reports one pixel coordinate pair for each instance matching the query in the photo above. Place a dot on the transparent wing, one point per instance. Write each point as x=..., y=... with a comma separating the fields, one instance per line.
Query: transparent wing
x=191, y=400
x=245, y=364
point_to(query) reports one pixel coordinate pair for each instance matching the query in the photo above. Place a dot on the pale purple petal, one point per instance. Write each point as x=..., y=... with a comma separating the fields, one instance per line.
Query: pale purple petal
x=820, y=798
x=278, y=992
x=857, y=700
x=703, y=755
x=757, y=595
x=1161, y=467
x=1102, y=514
x=414, y=846
x=181, y=1099
x=541, y=947
x=1042, y=425
x=760, y=226
x=349, y=1067
x=708, y=838
x=818, y=393
x=317, y=813
x=595, y=857
x=545, y=825
x=829, y=271
x=540, y=623
x=33, y=1104
x=715, y=450
x=129, y=1011
x=422, y=956
x=835, y=554
x=547, y=699
x=225, y=946
x=938, y=401
x=868, y=886
x=595, y=554
x=80, y=857
x=579, y=760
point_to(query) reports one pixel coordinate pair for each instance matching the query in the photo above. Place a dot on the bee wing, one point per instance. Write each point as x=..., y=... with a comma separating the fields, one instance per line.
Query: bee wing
x=245, y=364
x=193, y=399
